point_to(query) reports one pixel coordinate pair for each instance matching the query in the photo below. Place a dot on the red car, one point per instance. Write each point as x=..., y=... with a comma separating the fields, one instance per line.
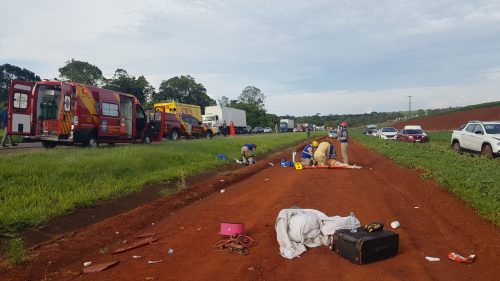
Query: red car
x=412, y=135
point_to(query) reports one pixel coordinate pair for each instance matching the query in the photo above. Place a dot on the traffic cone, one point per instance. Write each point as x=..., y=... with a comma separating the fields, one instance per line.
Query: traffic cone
x=231, y=129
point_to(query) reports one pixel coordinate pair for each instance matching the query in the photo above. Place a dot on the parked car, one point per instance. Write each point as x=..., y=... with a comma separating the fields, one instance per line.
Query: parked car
x=257, y=130
x=412, y=135
x=184, y=125
x=388, y=133
x=267, y=130
x=333, y=134
x=478, y=137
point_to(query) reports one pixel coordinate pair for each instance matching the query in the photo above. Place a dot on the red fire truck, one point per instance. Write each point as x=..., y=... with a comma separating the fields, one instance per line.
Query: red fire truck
x=65, y=112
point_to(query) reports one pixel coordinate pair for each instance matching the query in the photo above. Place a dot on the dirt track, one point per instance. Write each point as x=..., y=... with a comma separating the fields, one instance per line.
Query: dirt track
x=453, y=120
x=380, y=191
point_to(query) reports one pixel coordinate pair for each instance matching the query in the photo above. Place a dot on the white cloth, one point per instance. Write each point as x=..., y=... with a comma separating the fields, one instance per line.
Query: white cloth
x=298, y=228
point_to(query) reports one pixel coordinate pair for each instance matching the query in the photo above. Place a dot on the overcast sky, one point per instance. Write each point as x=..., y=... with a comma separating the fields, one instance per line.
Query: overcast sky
x=307, y=57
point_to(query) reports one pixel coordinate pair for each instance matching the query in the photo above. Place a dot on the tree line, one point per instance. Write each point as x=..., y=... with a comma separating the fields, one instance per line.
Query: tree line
x=182, y=89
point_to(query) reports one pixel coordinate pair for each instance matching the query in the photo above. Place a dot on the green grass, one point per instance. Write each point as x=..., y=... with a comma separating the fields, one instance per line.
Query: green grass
x=37, y=186
x=476, y=180
x=14, y=251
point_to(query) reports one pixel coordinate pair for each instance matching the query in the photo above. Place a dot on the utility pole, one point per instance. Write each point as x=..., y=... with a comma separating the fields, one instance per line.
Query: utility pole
x=409, y=106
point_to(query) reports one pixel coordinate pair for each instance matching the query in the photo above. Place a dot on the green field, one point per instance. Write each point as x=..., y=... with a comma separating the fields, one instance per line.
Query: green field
x=476, y=180
x=37, y=186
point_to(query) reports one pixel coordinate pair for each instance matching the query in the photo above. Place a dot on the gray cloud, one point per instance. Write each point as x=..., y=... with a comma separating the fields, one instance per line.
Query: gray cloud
x=362, y=51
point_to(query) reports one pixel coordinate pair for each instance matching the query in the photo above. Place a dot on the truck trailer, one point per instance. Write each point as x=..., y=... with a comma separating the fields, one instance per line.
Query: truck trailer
x=180, y=108
x=57, y=112
x=215, y=116
x=287, y=125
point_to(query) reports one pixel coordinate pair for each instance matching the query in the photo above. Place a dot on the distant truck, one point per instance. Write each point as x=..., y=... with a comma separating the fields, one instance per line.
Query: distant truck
x=215, y=116
x=287, y=125
x=370, y=129
x=57, y=112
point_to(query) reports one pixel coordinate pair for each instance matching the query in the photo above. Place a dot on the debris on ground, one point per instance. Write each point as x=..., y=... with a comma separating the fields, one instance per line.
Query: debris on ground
x=432, y=258
x=222, y=190
x=221, y=156
x=145, y=235
x=170, y=251
x=153, y=262
x=459, y=258
x=99, y=267
x=251, y=268
x=395, y=224
x=266, y=179
x=87, y=263
x=238, y=243
x=135, y=245
x=136, y=257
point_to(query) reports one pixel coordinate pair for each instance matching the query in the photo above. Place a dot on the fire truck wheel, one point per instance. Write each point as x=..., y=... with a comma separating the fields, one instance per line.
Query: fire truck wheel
x=49, y=144
x=147, y=139
x=92, y=142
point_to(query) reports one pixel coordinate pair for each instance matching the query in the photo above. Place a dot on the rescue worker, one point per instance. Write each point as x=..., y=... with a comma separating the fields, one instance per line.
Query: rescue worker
x=247, y=154
x=325, y=153
x=4, y=118
x=307, y=156
x=343, y=137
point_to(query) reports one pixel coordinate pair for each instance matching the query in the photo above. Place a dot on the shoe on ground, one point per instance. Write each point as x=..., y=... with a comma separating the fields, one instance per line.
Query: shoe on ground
x=4, y=145
x=14, y=144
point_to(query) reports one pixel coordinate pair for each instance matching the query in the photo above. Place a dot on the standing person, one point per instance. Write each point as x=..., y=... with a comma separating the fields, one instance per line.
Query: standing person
x=247, y=154
x=307, y=156
x=308, y=132
x=4, y=117
x=343, y=137
x=276, y=128
x=224, y=128
x=325, y=153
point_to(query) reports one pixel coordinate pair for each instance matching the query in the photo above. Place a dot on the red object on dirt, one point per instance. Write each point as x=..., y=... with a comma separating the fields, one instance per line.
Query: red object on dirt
x=459, y=258
x=99, y=267
x=134, y=245
x=231, y=129
x=228, y=228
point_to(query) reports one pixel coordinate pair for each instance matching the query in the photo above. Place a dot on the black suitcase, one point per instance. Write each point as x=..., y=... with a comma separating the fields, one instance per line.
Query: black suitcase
x=363, y=247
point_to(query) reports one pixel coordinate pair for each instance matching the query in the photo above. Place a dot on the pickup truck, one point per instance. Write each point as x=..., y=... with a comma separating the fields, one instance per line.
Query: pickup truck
x=478, y=137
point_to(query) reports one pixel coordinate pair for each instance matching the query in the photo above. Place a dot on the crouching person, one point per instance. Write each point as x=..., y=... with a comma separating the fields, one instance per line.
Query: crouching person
x=307, y=156
x=325, y=154
x=247, y=154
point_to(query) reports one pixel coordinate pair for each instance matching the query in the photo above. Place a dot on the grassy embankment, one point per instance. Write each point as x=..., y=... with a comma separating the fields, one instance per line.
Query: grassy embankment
x=40, y=185
x=474, y=179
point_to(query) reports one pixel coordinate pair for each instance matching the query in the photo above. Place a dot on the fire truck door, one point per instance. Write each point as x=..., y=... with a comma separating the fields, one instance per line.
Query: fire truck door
x=65, y=112
x=20, y=108
x=140, y=121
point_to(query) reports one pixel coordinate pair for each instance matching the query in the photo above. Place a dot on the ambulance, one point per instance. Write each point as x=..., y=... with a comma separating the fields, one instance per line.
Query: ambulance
x=57, y=112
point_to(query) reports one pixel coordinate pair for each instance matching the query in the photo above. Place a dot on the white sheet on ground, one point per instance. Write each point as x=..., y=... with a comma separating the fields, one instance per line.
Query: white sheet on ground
x=298, y=228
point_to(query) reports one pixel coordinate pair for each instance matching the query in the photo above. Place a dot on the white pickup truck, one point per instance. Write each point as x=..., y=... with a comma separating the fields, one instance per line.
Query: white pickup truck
x=478, y=137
